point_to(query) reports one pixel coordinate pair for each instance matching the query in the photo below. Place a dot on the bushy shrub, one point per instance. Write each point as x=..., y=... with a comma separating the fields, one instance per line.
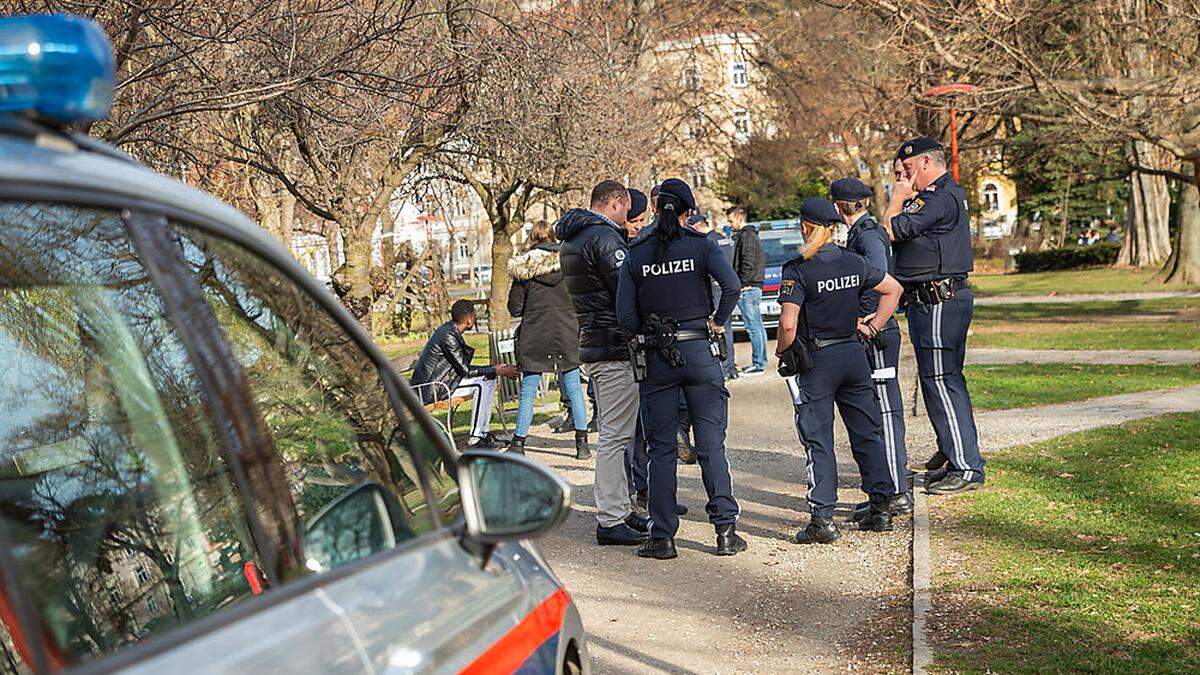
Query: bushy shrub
x=1068, y=257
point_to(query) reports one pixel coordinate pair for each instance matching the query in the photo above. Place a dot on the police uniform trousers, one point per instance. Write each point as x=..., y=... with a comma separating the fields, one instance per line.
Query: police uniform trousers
x=707, y=399
x=939, y=336
x=840, y=374
x=885, y=372
x=636, y=460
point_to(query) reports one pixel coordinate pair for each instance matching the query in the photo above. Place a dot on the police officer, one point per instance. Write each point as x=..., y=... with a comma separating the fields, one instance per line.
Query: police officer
x=852, y=197
x=819, y=294
x=930, y=230
x=664, y=295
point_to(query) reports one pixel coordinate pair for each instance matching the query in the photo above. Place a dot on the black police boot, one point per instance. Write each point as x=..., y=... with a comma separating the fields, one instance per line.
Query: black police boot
x=878, y=519
x=680, y=509
x=662, y=549
x=517, y=445
x=582, y=451
x=728, y=541
x=936, y=476
x=619, y=535
x=639, y=523
x=951, y=484
x=683, y=446
x=898, y=504
x=819, y=531
x=936, y=462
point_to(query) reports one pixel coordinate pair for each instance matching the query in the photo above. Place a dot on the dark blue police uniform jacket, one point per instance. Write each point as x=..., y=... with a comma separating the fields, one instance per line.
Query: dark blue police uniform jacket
x=932, y=236
x=827, y=289
x=868, y=239
x=673, y=280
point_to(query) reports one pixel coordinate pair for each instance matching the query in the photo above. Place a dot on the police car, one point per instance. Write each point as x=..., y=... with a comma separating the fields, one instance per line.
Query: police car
x=781, y=241
x=205, y=463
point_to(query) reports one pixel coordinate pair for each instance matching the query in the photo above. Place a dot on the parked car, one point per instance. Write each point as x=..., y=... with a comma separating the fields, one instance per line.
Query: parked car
x=484, y=274
x=780, y=243
x=206, y=465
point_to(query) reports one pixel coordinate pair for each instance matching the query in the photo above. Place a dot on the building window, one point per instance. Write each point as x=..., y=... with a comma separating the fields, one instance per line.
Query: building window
x=152, y=604
x=991, y=197
x=695, y=128
x=141, y=574
x=698, y=173
x=738, y=74
x=741, y=125
x=691, y=77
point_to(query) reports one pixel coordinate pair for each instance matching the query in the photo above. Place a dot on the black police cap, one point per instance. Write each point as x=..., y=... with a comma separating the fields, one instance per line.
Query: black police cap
x=637, y=204
x=916, y=146
x=678, y=189
x=819, y=211
x=848, y=190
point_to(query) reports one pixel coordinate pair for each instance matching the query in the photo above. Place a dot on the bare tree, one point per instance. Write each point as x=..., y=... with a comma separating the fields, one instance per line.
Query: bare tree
x=1128, y=71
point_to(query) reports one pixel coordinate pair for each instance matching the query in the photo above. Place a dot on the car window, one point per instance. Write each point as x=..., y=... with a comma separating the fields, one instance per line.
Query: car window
x=779, y=249
x=122, y=514
x=319, y=394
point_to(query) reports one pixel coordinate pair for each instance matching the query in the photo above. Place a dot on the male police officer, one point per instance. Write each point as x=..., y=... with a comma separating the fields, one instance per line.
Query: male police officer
x=852, y=198
x=930, y=229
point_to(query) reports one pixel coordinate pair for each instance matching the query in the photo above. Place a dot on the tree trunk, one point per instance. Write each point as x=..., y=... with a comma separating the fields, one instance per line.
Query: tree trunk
x=1183, y=267
x=1065, y=209
x=355, y=275
x=502, y=251
x=1147, y=234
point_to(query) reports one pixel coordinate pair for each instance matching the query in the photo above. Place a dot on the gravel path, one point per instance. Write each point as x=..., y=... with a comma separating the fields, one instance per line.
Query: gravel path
x=1084, y=297
x=1124, y=357
x=779, y=607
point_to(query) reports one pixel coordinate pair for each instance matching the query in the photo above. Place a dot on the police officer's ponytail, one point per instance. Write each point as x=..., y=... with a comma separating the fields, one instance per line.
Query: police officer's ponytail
x=670, y=208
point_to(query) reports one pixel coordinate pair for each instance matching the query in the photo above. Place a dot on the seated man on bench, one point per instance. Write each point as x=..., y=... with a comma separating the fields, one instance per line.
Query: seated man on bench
x=446, y=358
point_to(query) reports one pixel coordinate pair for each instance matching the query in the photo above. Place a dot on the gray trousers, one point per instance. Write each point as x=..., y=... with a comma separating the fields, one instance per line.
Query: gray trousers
x=616, y=422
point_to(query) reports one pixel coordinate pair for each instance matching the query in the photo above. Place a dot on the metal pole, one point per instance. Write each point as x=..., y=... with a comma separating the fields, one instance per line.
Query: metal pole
x=954, y=144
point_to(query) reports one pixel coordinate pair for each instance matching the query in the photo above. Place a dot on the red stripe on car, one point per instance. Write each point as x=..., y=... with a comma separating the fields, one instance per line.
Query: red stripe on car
x=523, y=640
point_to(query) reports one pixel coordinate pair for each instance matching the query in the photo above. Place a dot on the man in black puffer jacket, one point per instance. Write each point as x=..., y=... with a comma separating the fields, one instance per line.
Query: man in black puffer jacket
x=593, y=249
x=446, y=358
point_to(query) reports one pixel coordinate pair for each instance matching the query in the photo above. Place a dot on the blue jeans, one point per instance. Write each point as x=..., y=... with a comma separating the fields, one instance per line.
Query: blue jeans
x=529, y=389
x=750, y=305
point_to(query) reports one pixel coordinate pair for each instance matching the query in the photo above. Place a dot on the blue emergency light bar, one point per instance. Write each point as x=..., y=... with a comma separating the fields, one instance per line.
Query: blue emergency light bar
x=57, y=68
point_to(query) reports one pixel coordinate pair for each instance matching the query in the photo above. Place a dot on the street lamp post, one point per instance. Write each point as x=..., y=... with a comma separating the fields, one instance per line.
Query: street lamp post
x=951, y=89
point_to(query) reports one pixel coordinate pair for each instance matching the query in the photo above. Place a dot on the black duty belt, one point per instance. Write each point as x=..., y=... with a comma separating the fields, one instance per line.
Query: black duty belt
x=934, y=292
x=685, y=334
x=819, y=343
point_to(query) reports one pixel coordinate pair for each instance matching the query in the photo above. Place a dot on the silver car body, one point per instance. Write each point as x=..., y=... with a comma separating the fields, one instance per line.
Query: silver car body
x=427, y=606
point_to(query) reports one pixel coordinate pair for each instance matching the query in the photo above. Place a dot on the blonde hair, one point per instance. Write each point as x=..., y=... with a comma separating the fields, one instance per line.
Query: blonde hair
x=849, y=208
x=821, y=235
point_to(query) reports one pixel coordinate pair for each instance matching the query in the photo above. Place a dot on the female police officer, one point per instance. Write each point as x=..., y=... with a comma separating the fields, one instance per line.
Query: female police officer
x=868, y=239
x=664, y=296
x=820, y=313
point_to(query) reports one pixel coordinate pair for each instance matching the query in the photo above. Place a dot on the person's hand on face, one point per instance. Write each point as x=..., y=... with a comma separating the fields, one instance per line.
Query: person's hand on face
x=903, y=191
x=508, y=370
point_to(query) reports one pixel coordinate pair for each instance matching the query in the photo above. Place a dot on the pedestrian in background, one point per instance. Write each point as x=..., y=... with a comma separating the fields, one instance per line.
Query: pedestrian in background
x=548, y=337
x=593, y=250
x=750, y=264
x=709, y=229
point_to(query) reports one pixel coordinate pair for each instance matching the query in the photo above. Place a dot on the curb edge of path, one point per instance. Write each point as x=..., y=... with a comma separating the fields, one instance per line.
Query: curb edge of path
x=922, y=601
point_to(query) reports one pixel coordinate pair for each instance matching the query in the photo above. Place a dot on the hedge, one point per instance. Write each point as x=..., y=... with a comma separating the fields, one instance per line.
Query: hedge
x=1068, y=258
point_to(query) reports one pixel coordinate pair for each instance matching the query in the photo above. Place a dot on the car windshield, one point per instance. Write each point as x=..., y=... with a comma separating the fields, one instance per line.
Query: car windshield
x=780, y=247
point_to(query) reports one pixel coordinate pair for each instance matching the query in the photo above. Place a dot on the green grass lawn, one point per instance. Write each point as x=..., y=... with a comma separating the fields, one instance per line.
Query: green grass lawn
x=1082, y=554
x=405, y=352
x=1071, y=282
x=999, y=387
x=1165, y=323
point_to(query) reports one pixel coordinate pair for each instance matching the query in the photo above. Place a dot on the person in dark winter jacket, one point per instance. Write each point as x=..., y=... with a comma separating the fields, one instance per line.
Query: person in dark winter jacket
x=446, y=358
x=750, y=264
x=593, y=248
x=548, y=337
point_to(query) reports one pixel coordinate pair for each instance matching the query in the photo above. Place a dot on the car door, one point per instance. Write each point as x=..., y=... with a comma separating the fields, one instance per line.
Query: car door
x=126, y=525
x=336, y=422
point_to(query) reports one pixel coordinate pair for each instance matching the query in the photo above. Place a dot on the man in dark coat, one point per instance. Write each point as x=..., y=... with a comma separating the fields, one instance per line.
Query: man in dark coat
x=750, y=263
x=446, y=358
x=593, y=248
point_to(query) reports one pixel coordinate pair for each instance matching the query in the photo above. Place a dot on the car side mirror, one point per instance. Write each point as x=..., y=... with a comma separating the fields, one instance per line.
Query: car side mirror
x=353, y=526
x=506, y=497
